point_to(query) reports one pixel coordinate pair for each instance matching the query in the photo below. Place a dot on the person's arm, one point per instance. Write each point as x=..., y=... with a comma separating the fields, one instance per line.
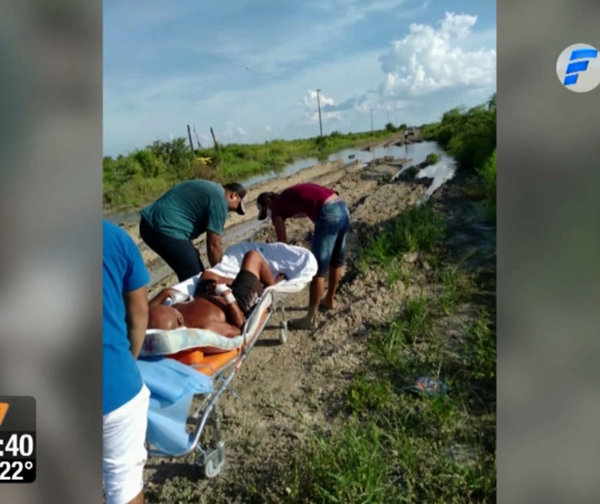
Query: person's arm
x=214, y=250
x=136, y=309
x=161, y=297
x=233, y=312
x=215, y=277
x=279, y=224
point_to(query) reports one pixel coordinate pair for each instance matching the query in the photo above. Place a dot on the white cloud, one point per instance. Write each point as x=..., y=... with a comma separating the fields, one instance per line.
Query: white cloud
x=233, y=131
x=312, y=111
x=310, y=99
x=428, y=60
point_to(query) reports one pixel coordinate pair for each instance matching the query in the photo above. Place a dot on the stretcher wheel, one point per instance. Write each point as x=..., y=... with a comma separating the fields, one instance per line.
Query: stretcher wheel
x=283, y=332
x=213, y=461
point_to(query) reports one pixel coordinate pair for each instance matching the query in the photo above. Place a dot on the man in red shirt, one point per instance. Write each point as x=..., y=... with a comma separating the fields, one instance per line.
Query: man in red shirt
x=332, y=221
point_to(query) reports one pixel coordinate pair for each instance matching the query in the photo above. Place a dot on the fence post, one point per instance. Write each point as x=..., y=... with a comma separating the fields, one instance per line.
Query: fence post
x=214, y=139
x=190, y=137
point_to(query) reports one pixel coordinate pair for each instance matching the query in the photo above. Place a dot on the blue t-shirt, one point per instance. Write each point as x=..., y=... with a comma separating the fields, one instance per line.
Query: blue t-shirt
x=189, y=209
x=123, y=270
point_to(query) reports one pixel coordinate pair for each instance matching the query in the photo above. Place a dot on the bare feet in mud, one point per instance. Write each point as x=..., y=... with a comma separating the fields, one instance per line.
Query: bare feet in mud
x=306, y=323
x=325, y=306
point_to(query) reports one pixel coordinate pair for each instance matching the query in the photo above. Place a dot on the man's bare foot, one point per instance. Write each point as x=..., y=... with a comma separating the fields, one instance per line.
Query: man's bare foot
x=303, y=323
x=324, y=305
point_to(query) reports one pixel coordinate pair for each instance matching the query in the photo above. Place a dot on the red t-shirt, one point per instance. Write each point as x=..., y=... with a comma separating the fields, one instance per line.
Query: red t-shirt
x=301, y=199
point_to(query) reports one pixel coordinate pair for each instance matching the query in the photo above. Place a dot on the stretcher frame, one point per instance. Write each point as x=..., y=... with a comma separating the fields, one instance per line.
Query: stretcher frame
x=210, y=456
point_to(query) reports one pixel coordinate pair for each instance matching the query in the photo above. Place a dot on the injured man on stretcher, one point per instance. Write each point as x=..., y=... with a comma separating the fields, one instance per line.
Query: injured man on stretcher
x=220, y=304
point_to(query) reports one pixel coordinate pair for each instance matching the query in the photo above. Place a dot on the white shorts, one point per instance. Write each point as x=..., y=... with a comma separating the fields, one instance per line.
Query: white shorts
x=123, y=449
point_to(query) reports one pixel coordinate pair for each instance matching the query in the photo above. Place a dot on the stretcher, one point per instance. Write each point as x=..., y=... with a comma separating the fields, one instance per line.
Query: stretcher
x=200, y=432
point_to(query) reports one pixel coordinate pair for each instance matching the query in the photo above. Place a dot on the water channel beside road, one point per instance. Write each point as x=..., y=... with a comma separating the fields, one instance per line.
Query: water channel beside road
x=416, y=152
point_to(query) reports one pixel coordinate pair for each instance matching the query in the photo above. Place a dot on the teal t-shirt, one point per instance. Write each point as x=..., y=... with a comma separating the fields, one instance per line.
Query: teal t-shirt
x=188, y=209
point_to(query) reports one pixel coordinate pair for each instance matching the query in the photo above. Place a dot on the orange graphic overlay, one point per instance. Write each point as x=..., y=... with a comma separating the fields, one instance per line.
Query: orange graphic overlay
x=3, y=410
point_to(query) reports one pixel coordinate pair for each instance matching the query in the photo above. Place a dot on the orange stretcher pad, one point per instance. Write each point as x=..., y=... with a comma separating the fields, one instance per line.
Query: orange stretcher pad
x=211, y=360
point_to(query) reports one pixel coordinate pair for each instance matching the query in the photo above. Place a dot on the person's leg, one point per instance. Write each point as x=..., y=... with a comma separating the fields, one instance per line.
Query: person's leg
x=181, y=256
x=138, y=499
x=255, y=263
x=337, y=257
x=335, y=273
x=322, y=244
x=123, y=450
x=310, y=320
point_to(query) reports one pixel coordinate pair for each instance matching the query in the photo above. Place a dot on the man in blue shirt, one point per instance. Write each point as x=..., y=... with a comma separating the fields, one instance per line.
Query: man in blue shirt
x=183, y=213
x=125, y=397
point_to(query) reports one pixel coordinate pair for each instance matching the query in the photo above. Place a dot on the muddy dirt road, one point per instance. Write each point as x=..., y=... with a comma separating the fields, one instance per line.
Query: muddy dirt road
x=284, y=392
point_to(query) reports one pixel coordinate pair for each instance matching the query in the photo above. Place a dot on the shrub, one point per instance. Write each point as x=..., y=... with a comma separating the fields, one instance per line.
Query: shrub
x=487, y=177
x=432, y=158
x=469, y=136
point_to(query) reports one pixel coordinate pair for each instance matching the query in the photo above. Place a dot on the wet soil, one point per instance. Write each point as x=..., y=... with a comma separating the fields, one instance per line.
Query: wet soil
x=284, y=392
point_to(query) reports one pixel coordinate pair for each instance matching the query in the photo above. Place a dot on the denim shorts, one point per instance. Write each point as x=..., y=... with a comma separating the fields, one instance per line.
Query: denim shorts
x=329, y=238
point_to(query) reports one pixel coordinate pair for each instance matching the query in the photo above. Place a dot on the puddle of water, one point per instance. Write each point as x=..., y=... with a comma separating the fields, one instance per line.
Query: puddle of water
x=441, y=172
x=288, y=169
x=416, y=152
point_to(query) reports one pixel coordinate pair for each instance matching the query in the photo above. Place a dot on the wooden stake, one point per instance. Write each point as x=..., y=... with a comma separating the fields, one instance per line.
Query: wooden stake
x=214, y=139
x=190, y=137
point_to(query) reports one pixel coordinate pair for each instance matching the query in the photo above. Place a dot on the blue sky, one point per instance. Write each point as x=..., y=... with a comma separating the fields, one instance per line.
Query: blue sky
x=250, y=69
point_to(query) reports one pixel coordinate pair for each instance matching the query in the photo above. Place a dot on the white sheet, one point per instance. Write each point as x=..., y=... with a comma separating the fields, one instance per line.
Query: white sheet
x=297, y=263
x=159, y=342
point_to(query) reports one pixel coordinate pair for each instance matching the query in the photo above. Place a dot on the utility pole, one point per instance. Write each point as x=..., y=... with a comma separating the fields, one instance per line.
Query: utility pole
x=319, y=106
x=371, y=119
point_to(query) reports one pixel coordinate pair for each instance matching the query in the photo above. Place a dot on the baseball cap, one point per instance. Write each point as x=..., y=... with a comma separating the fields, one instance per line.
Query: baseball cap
x=241, y=190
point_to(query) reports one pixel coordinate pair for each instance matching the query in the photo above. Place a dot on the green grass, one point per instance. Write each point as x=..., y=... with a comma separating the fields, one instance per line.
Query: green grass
x=482, y=186
x=487, y=177
x=400, y=447
x=137, y=178
x=395, y=445
x=455, y=286
x=432, y=158
x=349, y=467
x=417, y=229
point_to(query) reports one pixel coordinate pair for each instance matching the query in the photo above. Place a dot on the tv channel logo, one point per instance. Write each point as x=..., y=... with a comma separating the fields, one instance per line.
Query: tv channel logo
x=578, y=68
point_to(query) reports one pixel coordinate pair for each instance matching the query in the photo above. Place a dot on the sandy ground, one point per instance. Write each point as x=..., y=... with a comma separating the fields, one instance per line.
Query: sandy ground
x=283, y=392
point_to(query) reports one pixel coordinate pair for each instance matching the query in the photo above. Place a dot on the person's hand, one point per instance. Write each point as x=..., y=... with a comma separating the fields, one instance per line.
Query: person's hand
x=222, y=289
x=210, y=288
x=178, y=296
x=280, y=278
x=225, y=291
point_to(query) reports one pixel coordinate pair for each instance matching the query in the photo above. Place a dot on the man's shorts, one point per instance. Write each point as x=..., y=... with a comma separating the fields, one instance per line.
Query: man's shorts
x=123, y=450
x=246, y=289
x=329, y=237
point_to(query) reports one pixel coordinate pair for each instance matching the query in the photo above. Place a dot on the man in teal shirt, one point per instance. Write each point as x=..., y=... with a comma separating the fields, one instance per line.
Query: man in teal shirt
x=183, y=213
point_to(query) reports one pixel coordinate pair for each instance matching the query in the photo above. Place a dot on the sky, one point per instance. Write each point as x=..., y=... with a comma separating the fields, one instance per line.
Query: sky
x=250, y=69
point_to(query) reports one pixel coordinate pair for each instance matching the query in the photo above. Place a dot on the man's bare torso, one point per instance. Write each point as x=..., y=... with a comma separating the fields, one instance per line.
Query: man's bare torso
x=202, y=311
